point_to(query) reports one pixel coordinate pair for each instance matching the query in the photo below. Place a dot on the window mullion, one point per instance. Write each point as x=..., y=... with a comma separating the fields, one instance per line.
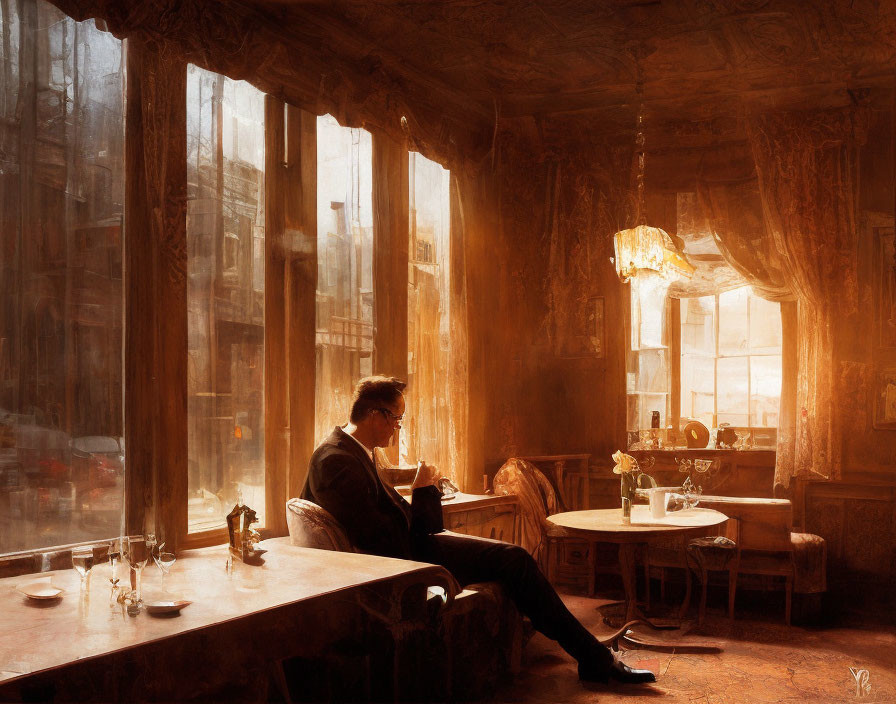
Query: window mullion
x=749, y=367
x=715, y=376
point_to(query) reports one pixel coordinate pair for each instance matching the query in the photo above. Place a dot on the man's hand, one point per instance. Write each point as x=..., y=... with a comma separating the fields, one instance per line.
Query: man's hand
x=426, y=476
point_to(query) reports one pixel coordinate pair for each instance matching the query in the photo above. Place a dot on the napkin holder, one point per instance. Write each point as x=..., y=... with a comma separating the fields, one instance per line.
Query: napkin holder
x=242, y=536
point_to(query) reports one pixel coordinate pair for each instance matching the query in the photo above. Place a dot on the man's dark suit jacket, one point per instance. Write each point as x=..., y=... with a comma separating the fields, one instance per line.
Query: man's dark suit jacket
x=343, y=480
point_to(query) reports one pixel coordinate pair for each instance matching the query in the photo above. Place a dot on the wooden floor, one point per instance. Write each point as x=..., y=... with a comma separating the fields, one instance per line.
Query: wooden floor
x=761, y=661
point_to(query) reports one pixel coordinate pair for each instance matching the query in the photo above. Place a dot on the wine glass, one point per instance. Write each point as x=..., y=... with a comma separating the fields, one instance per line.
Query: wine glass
x=164, y=561
x=114, y=552
x=83, y=561
x=136, y=552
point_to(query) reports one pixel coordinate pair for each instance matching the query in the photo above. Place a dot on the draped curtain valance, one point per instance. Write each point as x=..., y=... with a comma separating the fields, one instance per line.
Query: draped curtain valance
x=733, y=208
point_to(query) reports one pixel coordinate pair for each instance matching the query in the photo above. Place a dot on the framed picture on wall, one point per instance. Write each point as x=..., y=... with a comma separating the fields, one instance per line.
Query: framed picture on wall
x=885, y=397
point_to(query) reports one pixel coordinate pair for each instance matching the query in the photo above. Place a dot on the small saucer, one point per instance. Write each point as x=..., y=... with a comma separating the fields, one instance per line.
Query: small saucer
x=40, y=590
x=165, y=607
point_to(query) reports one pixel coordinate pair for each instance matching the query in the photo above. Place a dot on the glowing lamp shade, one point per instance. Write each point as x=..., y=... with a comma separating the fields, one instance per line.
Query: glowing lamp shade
x=649, y=250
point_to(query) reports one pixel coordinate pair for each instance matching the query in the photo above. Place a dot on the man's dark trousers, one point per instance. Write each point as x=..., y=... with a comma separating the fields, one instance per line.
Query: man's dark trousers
x=471, y=559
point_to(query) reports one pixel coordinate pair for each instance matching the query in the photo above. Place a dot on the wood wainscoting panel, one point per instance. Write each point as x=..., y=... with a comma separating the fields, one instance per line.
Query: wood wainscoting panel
x=857, y=519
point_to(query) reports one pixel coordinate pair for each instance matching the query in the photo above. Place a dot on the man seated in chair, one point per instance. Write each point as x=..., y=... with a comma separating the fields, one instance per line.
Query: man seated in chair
x=343, y=480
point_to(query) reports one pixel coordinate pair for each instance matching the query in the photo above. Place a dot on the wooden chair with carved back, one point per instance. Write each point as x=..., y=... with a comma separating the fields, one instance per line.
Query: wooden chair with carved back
x=566, y=560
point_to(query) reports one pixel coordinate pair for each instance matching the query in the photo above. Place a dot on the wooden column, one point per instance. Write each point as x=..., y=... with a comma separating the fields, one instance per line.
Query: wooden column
x=390, y=257
x=390, y=262
x=458, y=383
x=155, y=282
x=290, y=310
x=301, y=224
x=474, y=224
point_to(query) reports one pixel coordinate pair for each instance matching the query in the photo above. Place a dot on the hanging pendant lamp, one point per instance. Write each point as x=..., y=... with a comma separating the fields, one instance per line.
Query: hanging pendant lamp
x=646, y=250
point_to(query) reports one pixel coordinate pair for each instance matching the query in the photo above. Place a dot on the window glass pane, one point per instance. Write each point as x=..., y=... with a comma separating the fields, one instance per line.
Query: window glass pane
x=733, y=322
x=426, y=431
x=697, y=331
x=649, y=311
x=698, y=388
x=641, y=407
x=647, y=365
x=653, y=372
x=344, y=269
x=61, y=206
x=732, y=387
x=765, y=326
x=765, y=390
x=225, y=296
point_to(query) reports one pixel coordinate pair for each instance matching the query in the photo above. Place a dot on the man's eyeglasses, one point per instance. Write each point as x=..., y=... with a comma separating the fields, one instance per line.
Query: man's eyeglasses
x=394, y=418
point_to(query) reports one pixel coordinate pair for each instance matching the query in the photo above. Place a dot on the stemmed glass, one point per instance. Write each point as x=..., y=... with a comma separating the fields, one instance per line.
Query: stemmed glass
x=114, y=552
x=136, y=552
x=83, y=561
x=164, y=561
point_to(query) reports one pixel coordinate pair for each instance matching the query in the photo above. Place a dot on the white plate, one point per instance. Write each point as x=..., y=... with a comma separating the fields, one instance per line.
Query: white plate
x=165, y=607
x=40, y=590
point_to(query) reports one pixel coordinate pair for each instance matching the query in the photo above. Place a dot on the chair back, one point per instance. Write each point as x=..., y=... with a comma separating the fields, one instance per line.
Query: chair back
x=311, y=526
x=761, y=524
x=537, y=498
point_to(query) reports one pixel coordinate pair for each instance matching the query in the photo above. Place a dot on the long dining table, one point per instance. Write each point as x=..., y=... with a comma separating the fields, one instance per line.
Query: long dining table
x=225, y=644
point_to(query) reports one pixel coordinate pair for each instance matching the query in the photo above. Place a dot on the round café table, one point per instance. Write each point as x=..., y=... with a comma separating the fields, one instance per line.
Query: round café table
x=605, y=525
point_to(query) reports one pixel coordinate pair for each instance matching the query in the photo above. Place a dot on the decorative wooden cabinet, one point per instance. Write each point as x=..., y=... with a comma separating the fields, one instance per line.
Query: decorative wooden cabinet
x=746, y=473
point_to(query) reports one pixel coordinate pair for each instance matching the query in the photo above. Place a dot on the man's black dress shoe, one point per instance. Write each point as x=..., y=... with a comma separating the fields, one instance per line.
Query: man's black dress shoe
x=618, y=671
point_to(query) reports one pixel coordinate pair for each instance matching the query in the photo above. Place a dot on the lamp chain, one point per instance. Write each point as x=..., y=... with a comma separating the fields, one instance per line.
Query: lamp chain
x=640, y=215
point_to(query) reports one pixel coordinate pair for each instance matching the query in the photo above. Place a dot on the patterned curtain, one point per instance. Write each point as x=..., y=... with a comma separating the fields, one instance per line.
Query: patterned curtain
x=807, y=165
x=729, y=197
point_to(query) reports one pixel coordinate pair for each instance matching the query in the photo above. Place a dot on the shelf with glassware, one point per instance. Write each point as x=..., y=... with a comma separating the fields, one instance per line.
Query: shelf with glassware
x=739, y=473
x=727, y=472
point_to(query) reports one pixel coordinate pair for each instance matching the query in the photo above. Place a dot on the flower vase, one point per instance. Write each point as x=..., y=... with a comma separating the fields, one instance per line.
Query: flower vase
x=627, y=491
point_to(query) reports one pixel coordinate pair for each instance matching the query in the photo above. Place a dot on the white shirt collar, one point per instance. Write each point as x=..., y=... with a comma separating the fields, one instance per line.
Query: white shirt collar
x=361, y=444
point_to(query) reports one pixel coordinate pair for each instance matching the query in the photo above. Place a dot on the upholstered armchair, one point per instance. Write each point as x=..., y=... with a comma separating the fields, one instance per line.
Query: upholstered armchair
x=311, y=526
x=479, y=629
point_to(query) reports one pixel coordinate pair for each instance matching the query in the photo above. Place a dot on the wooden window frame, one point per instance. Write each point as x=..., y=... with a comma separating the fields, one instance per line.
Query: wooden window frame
x=156, y=309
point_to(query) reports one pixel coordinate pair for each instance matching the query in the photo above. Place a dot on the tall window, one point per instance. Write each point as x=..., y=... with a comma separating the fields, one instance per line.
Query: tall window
x=344, y=269
x=61, y=207
x=225, y=296
x=426, y=432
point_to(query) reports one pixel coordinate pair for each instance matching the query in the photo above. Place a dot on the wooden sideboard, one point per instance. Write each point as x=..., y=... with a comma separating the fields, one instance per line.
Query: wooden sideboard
x=483, y=515
x=743, y=473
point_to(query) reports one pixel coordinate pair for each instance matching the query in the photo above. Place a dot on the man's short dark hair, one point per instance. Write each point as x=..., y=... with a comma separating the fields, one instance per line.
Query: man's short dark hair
x=375, y=392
